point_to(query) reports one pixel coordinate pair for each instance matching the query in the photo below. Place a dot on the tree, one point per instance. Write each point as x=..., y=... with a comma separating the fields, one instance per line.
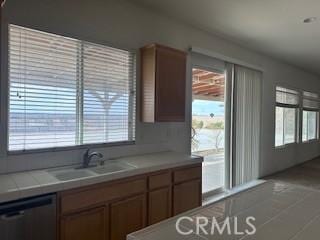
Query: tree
x=218, y=139
x=194, y=141
x=215, y=125
x=196, y=124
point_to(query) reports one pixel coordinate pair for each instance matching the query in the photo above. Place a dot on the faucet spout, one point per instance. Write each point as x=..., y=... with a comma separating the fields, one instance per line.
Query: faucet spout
x=88, y=156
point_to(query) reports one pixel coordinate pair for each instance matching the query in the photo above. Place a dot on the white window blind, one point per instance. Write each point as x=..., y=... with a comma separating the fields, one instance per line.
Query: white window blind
x=66, y=92
x=311, y=100
x=287, y=96
x=108, y=94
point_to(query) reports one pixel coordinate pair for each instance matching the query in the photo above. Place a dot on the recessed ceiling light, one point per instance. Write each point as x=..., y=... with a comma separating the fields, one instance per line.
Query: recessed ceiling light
x=310, y=20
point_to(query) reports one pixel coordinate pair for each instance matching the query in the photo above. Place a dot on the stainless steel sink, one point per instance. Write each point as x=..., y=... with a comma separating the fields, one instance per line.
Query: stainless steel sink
x=112, y=167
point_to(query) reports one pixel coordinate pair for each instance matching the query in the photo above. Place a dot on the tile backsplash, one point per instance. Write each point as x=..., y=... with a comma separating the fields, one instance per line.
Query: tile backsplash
x=25, y=162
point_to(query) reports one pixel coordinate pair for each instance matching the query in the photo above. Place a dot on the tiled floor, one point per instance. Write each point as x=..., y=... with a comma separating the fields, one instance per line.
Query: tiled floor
x=287, y=207
x=307, y=175
x=281, y=212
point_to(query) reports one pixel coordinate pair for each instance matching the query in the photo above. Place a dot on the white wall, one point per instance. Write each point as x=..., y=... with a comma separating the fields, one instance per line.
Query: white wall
x=121, y=24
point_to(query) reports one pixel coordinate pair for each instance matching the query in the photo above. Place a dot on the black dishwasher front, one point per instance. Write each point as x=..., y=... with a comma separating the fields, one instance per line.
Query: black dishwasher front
x=29, y=219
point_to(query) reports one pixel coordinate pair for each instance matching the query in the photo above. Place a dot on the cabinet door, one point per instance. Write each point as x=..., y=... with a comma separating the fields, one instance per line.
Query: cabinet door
x=186, y=196
x=127, y=216
x=159, y=205
x=90, y=224
x=170, y=85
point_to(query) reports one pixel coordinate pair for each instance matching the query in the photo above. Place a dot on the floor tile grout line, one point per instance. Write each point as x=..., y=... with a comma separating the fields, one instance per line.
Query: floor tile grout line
x=305, y=226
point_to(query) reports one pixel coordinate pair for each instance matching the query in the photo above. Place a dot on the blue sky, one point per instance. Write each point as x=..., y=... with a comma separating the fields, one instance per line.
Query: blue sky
x=205, y=108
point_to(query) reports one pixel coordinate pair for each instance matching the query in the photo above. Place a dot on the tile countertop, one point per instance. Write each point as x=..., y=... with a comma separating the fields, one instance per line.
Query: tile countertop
x=281, y=212
x=33, y=183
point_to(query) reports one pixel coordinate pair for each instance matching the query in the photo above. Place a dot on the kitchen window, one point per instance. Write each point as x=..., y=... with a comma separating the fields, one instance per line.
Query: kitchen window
x=310, y=116
x=66, y=92
x=286, y=116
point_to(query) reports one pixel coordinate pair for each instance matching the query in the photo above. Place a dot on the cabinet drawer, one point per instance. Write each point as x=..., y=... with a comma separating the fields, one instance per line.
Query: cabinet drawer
x=160, y=180
x=188, y=174
x=80, y=200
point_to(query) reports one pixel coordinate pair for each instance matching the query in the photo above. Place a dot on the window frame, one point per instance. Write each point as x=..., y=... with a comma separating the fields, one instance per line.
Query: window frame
x=296, y=107
x=132, y=105
x=317, y=125
x=311, y=97
x=296, y=136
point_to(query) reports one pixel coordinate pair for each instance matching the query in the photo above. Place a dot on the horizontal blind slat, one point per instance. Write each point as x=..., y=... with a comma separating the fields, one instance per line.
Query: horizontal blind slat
x=46, y=72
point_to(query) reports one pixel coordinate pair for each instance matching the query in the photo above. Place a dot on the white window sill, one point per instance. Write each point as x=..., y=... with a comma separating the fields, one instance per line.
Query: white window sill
x=285, y=146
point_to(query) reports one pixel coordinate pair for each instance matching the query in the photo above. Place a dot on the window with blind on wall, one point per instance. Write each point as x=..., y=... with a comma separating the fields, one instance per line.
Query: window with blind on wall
x=66, y=92
x=310, y=116
x=286, y=116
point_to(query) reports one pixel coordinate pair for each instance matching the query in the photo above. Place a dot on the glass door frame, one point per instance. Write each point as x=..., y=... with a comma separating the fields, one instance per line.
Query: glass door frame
x=227, y=70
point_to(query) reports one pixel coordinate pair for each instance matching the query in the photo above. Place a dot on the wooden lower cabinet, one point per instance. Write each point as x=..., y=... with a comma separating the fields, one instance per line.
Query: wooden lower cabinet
x=89, y=224
x=127, y=216
x=110, y=211
x=159, y=205
x=186, y=196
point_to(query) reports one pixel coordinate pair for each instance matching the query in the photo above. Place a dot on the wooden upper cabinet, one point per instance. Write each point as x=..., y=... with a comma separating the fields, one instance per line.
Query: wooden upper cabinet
x=163, y=84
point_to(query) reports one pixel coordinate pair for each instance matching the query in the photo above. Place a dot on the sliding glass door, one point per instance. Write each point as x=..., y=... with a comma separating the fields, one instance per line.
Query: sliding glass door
x=208, y=125
x=225, y=126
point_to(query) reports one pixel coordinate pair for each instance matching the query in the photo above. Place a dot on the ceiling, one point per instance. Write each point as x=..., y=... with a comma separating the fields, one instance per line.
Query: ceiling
x=272, y=27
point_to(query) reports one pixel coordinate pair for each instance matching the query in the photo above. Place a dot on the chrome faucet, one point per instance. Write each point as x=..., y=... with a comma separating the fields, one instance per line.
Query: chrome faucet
x=88, y=156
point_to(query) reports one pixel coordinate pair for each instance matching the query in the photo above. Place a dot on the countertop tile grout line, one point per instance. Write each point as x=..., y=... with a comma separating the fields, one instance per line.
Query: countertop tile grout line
x=281, y=211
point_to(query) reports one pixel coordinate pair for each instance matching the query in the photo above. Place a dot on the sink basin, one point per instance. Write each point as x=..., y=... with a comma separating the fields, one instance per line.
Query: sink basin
x=76, y=173
x=112, y=167
x=70, y=174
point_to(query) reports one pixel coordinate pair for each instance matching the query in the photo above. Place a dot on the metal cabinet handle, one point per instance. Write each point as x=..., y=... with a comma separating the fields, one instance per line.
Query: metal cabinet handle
x=12, y=216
